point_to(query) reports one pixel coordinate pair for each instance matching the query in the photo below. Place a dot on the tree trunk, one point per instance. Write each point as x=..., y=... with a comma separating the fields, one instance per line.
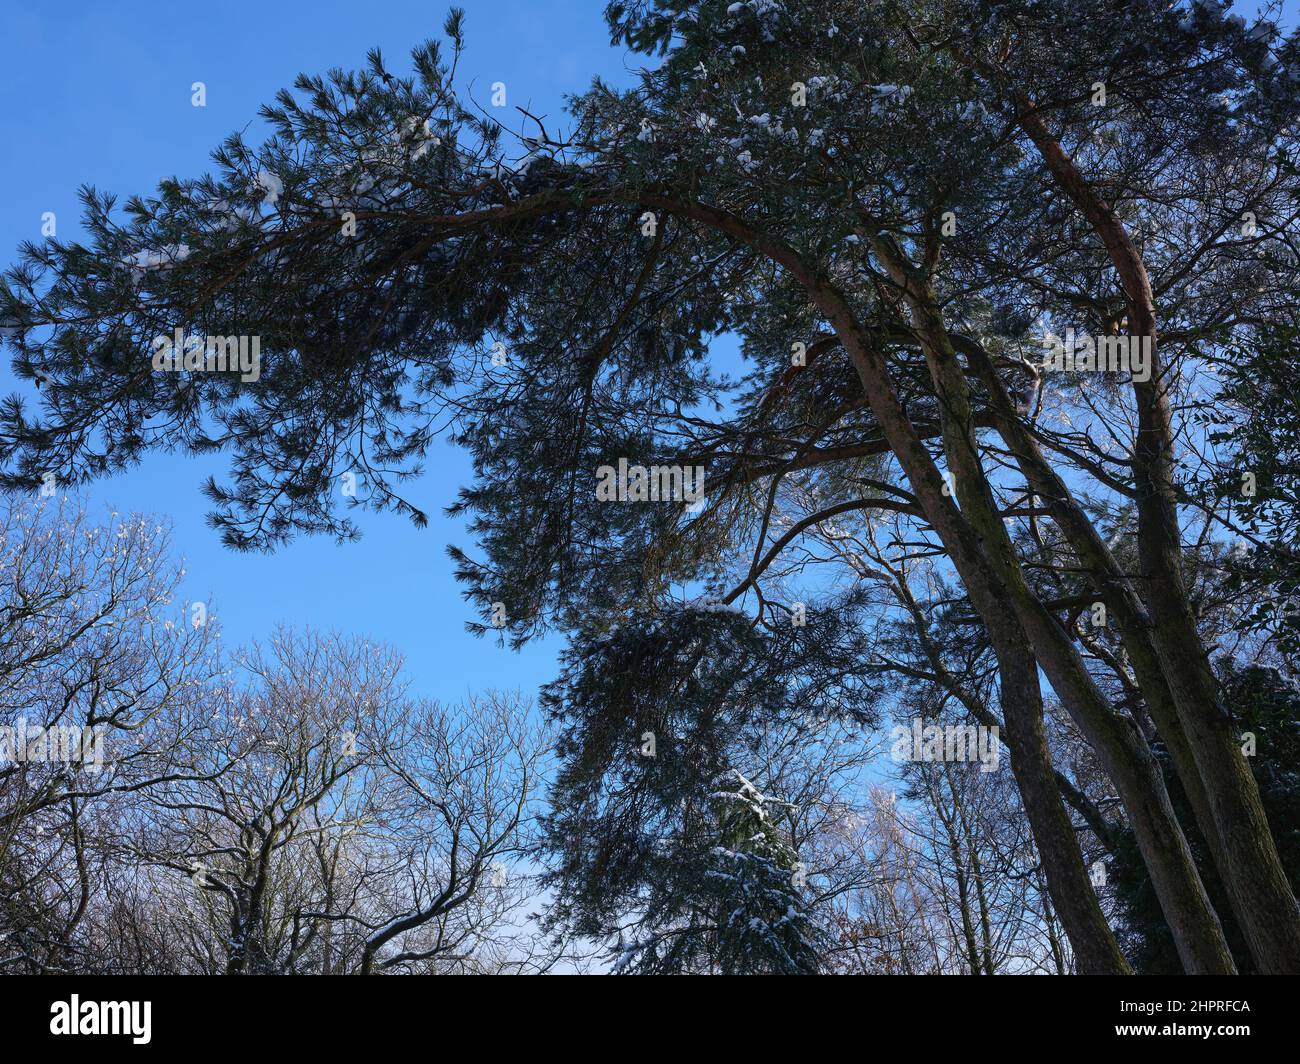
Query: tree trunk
x=1122, y=751
x=1114, y=588
x=1250, y=865
x=1073, y=898
x=1191, y=919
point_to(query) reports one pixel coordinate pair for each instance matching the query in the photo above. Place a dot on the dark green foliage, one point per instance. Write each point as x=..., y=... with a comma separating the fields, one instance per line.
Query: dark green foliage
x=673, y=849
x=1261, y=387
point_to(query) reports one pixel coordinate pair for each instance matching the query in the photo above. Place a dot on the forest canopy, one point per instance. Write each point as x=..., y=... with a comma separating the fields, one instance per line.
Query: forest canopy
x=909, y=512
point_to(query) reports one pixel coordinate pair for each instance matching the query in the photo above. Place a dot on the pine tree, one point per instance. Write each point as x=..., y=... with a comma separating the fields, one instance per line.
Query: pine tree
x=889, y=204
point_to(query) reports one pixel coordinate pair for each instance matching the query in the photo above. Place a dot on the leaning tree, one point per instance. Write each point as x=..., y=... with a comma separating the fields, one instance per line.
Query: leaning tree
x=892, y=205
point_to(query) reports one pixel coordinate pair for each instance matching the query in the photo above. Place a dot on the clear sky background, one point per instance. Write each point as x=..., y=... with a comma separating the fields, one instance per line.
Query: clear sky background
x=99, y=93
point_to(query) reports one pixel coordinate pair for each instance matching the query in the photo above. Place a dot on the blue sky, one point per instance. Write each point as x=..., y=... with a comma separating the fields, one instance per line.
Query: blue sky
x=99, y=93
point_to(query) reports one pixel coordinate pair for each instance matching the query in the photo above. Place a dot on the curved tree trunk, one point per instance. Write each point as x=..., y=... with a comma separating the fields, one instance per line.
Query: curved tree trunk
x=1122, y=750
x=1124, y=754
x=1043, y=792
x=1114, y=588
x=1245, y=850
x=1075, y=901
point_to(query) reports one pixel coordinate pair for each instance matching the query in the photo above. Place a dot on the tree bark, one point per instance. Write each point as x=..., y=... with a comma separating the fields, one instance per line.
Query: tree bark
x=1123, y=752
x=1247, y=854
x=1124, y=755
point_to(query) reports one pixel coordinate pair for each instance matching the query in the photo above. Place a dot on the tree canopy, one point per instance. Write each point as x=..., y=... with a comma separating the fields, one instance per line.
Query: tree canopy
x=894, y=206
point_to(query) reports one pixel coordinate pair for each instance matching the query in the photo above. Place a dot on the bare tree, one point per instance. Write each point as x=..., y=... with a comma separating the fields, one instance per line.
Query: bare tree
x=460, y=797
x=102, y=679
